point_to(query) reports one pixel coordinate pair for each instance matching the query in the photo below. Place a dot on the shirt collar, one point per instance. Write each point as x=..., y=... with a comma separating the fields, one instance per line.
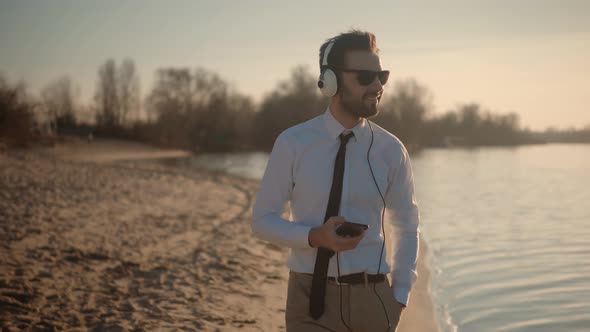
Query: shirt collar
x=335, y=128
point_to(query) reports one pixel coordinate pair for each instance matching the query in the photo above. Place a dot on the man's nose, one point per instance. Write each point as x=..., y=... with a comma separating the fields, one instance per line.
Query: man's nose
x=376, y=85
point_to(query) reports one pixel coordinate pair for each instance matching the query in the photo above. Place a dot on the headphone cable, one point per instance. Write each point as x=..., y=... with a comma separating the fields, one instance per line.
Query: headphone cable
x=382, y=229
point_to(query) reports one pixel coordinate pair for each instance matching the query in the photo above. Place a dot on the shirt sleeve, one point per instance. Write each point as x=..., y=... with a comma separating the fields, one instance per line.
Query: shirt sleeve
x=275, y=190
x=405, y=218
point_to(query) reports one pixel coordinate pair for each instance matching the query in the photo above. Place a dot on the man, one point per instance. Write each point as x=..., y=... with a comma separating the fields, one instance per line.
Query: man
x=330, y=176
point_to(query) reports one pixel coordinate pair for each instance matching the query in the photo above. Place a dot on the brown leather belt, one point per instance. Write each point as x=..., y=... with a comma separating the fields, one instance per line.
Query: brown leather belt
x=356, y=278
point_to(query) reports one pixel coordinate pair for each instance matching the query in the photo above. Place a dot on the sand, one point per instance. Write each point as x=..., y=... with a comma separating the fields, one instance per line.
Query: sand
x=91, y=239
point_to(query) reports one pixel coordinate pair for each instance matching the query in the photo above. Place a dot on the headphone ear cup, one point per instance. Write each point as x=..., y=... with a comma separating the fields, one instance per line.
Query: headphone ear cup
x=321, y=81
x=328, y=83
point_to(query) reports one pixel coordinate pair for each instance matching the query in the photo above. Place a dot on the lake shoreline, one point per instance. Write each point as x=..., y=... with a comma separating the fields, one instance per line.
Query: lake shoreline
x=92, y=241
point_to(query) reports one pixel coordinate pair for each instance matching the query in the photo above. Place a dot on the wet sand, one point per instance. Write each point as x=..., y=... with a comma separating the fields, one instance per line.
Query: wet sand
x=93, y=239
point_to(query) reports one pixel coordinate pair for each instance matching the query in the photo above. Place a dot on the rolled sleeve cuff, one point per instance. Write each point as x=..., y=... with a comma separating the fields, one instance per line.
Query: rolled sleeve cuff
x=401, y=294
x=301, y=237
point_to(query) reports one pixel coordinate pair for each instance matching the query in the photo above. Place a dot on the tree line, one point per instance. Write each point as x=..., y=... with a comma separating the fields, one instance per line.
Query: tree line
x=199, y=111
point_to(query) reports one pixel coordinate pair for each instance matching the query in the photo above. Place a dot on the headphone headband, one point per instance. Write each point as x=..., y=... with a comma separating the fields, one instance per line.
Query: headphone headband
x=328, y=81
x=327, y=53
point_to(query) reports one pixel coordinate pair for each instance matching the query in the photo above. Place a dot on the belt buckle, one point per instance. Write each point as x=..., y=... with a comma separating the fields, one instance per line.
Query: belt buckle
x=366, y=276
x=340, y=283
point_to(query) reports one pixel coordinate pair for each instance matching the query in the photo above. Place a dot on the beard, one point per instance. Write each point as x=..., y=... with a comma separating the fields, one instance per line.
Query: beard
x=358, y=107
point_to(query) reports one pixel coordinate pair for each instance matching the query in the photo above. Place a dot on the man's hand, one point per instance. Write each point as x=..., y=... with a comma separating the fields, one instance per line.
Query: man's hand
x=325, y=236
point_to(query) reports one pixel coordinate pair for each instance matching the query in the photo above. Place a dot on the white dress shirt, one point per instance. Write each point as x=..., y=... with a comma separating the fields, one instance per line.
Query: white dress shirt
x=300, y=170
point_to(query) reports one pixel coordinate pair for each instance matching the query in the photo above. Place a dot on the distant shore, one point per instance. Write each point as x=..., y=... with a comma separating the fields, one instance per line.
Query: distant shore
x=92, y=238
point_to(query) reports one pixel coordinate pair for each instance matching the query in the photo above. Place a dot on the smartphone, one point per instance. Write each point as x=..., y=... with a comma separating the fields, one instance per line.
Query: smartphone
x=351, y=229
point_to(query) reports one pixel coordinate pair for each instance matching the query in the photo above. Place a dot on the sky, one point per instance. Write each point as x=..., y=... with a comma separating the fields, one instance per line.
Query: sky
x=530, y=57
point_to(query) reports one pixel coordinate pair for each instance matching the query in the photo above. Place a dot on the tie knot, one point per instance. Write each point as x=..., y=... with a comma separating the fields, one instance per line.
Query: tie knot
x=345, y=137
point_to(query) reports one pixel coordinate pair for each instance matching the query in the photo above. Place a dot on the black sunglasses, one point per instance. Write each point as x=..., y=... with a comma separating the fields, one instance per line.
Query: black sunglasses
x=366, y=77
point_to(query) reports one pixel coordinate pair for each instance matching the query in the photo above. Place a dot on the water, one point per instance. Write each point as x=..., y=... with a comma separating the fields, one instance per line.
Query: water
x=507, y=230
x=248, y=164
x=509, y=236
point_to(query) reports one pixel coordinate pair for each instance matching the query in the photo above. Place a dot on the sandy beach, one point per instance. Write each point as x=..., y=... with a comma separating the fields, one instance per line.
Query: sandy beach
x=93, y=239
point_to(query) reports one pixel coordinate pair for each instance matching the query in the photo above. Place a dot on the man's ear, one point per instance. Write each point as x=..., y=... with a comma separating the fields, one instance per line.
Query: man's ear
x=340, y=84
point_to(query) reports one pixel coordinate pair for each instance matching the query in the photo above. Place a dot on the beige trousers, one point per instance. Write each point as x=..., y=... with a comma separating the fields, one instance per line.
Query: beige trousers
x=361, y=309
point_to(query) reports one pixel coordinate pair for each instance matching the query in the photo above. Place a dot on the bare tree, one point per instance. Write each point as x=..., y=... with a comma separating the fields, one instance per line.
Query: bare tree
x=128, y=91
x=199, y=111
x=59, y=100
x=16, y=116
x=293, y=101
x=171, y=93
x=107, y=98
x=405, y=112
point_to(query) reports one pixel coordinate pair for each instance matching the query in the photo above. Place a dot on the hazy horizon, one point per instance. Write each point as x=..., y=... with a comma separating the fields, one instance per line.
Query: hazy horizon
x=528, y=57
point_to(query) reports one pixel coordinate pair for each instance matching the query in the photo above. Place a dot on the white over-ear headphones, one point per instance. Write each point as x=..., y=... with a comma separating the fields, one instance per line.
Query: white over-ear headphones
x=328, y=81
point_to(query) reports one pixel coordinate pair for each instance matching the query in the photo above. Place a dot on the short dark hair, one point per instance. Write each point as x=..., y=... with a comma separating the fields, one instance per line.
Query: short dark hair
x=353, y=40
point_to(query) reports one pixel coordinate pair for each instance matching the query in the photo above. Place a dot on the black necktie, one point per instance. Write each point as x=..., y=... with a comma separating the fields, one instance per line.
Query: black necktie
x=320, y=271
